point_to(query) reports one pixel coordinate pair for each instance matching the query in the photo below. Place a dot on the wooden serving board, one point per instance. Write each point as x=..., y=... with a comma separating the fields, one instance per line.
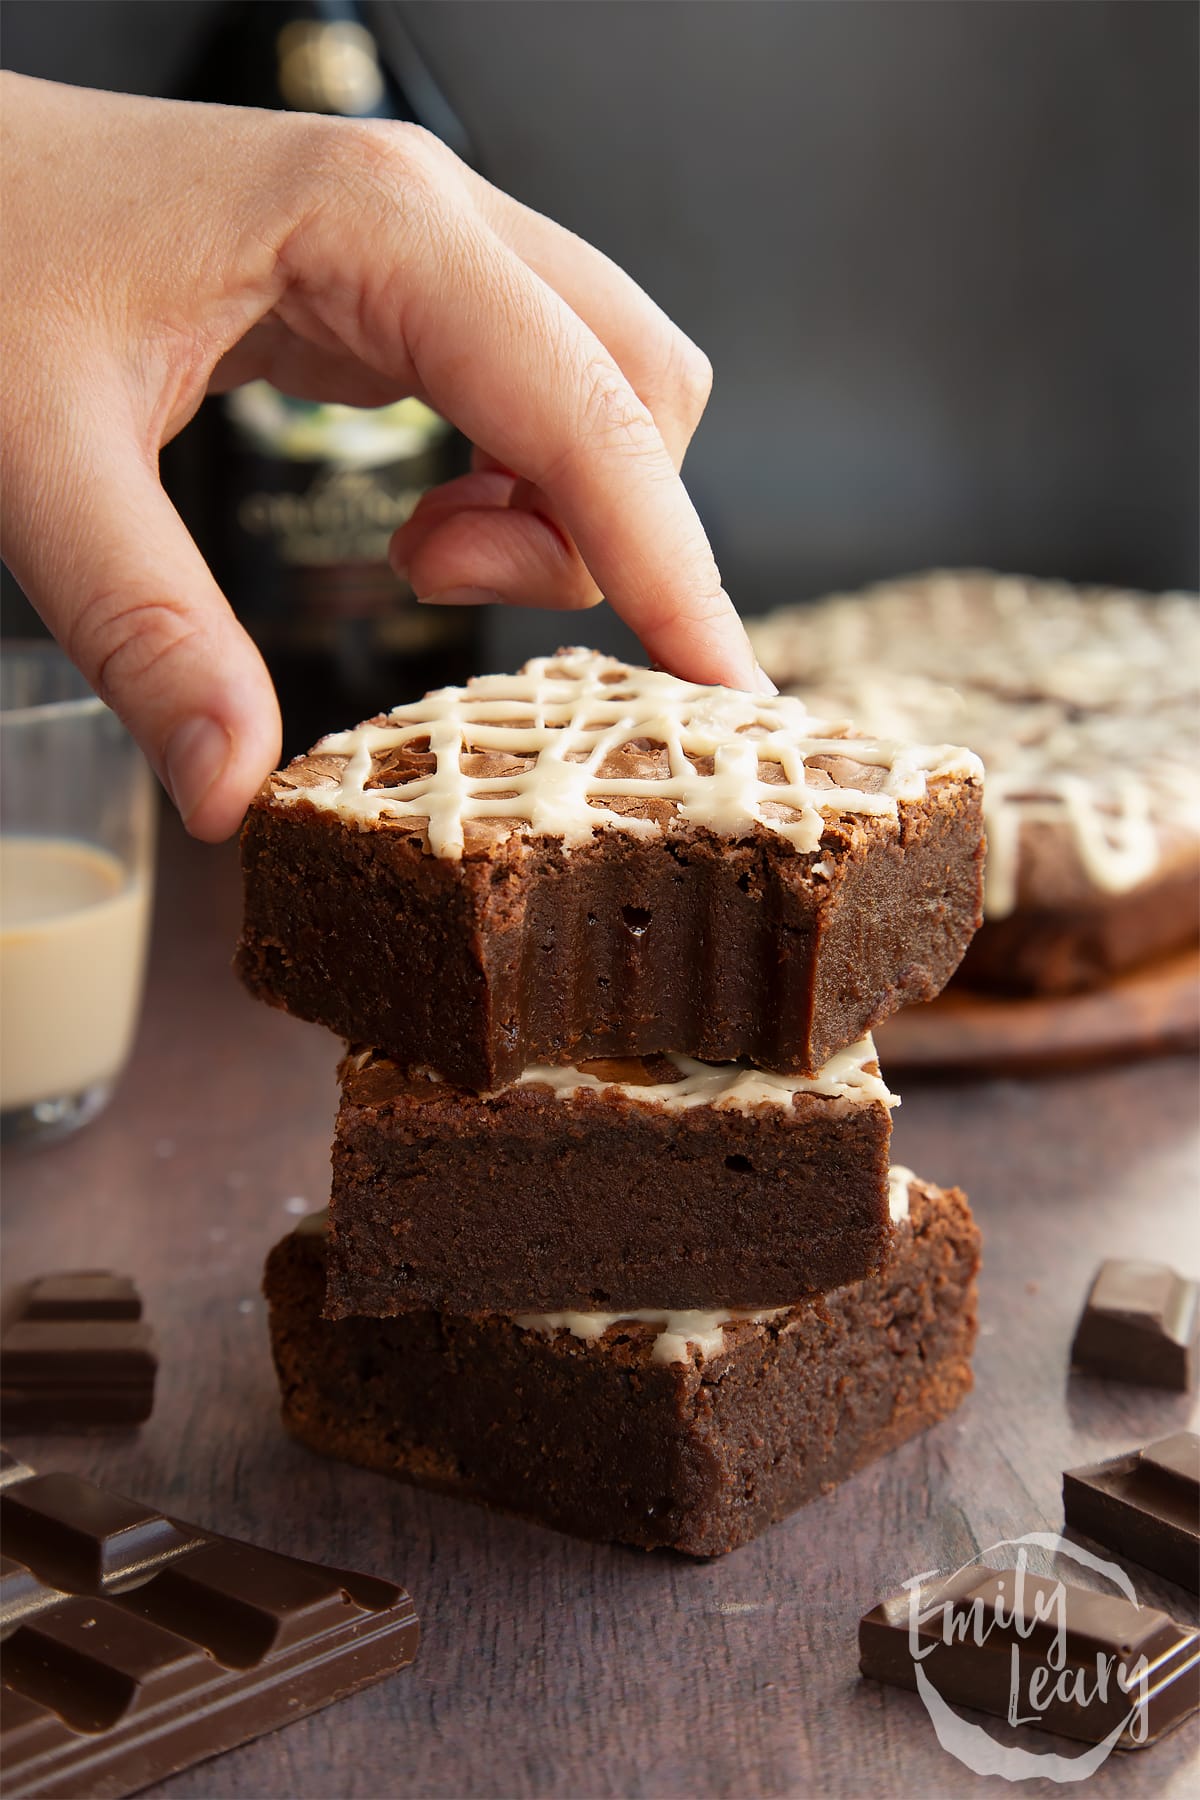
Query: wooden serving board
x=1145, y=1013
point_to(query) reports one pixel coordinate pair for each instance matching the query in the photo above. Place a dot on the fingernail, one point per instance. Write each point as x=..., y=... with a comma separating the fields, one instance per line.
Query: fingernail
x=195, y=756
x=762, y=681
x=462, y=596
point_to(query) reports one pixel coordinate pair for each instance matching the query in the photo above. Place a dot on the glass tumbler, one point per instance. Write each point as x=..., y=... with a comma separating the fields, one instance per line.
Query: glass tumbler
x=77, y=819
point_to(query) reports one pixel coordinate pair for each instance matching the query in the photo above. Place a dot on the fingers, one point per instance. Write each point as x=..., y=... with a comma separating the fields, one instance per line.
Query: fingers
x=270, y=352
x=106, y=560
x=487, y=489
x=581, y=436
x=499, y=351
x=508, y=554
x=668, y=373
x=487, y=522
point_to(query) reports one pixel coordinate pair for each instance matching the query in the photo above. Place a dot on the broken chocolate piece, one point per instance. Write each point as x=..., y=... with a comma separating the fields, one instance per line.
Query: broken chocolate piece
x=83, y=1294
x=1141, y=1323
x=76, y=1354
x=1144, y=1505
x=136, y=1646
x=1035, y=1650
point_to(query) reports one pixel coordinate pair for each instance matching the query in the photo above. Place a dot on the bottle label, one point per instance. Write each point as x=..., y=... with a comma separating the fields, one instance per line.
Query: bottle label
x=317, y=491
x=343, y=516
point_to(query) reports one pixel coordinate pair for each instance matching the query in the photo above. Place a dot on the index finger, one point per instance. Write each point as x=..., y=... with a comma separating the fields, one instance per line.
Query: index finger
x=661, y=364
x=547, y=400
x=502, y=355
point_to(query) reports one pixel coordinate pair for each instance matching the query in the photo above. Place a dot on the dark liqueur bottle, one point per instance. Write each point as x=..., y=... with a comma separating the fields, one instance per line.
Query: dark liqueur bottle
x=292, y=501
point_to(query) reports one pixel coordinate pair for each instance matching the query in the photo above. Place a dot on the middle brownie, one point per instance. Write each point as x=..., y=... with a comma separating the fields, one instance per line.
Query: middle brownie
x=656, y=1182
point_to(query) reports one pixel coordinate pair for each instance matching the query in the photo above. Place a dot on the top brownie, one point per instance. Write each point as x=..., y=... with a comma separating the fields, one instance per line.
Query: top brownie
x=589, y=860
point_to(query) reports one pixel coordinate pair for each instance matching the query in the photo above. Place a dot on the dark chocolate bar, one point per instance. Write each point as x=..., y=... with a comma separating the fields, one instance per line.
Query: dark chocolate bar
x=76, y=1353
x=136, y=1645
x=991, y=1639
x=1141, y=1323
x=1144, y=1505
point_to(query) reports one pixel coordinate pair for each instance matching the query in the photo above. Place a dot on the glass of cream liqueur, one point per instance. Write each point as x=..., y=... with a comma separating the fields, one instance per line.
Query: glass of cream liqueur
x=77, y=816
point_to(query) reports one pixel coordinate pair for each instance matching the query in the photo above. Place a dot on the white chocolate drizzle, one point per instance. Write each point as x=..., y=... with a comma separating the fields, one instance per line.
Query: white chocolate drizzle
x=852, y=1074
x=677, y=1334
x=680, y=1333
x=900, y=1180
x=1084, y=705
x=727, y=761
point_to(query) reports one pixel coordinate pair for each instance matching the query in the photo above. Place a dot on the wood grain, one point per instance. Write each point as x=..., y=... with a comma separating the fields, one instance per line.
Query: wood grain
x=551, y=1667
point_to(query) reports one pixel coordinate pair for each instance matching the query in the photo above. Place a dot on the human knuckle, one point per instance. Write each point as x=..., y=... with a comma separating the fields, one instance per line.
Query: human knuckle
x=676, y=382
x=398, y=155
x=124, y=635
x=418, y=147
x=611, y=414
x=691, y=373
x=382, y=164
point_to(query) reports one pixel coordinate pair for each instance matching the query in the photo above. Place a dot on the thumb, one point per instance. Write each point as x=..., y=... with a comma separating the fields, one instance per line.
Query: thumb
x=108, y=563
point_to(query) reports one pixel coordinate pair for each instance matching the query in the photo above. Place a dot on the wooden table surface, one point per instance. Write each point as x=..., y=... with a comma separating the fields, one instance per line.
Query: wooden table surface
x=551, y=1667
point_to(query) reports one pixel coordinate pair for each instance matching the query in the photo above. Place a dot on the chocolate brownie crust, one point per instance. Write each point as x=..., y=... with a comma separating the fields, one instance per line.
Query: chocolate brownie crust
x=528, y=1200
x=600, y=1439
x=479, y=967
x=695, y=872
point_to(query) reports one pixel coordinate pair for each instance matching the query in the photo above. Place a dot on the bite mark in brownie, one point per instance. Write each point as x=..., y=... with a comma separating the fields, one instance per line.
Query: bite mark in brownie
x=657, y=1182
x=600, y=1438
x=590, y=860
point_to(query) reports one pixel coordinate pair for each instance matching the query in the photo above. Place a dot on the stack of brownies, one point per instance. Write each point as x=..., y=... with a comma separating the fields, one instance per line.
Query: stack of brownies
x=613, y=1241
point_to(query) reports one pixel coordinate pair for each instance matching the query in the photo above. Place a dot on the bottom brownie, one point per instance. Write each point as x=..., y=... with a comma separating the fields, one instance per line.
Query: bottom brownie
x=693, y=1437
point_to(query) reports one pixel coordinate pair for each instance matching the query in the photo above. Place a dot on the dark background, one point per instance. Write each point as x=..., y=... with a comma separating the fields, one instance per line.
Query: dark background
x=942, y=255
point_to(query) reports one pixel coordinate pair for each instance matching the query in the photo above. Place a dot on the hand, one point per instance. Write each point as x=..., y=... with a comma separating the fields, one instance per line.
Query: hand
x=155, y=252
